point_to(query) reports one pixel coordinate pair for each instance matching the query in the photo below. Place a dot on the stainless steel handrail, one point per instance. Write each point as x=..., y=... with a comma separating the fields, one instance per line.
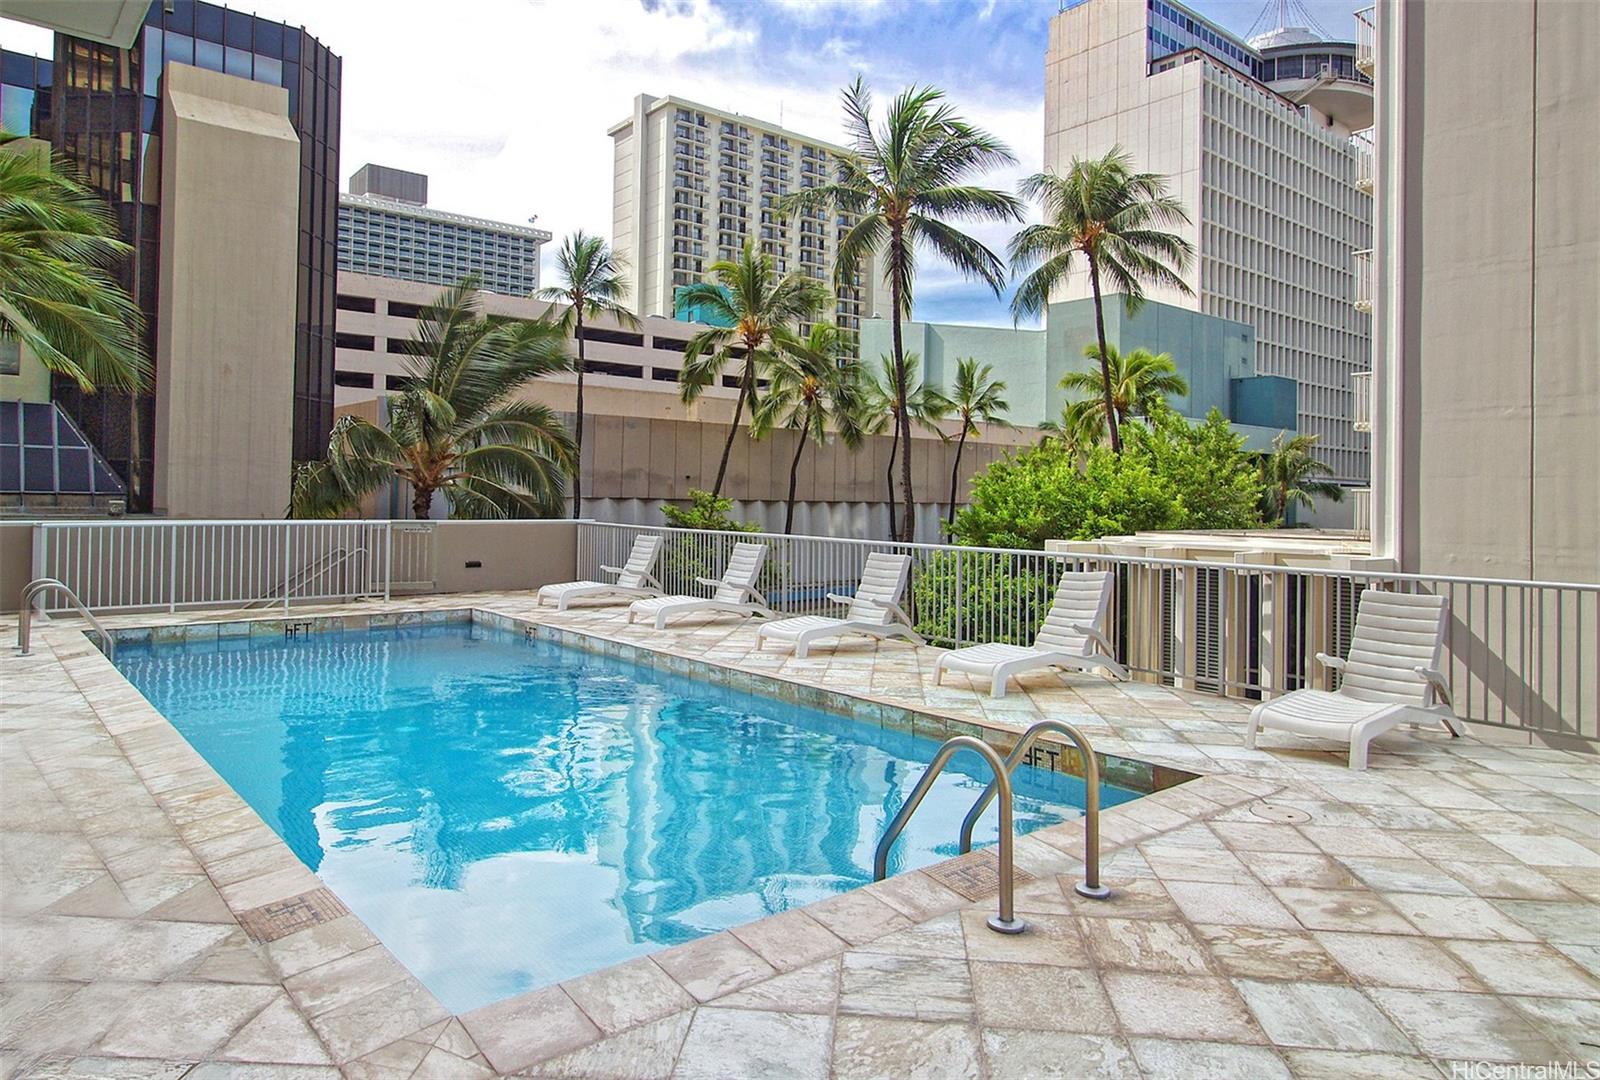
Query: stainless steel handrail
x=313, y=571
x=1005, y=921
x=31, y=591
x=1090, y=885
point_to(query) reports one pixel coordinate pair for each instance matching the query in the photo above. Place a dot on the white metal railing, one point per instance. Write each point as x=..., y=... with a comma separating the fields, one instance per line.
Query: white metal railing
x=1520, y=653
x=1361, y=143
x=1367, y=40
x=128, y=565
x=1361, y=270
x=1361, y=405
x=1361, y=508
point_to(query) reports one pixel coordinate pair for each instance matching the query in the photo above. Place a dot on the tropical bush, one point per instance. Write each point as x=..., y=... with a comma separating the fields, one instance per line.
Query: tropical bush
x=1172, y=475
x=706, y=511
x=961, y=596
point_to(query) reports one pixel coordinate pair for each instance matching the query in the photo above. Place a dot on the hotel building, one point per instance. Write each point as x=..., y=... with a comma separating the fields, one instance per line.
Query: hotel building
x=693, y=183
x=386, y=228
x=1256, y=140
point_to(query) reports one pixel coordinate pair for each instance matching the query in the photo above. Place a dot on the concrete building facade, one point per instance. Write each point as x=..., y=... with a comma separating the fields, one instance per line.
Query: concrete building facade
x=1486, y=299
x=1266, y=172
x=386, y=228
x=693, y=183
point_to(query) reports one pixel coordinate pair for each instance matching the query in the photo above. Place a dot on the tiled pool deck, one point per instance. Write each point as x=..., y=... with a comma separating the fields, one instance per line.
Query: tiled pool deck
x=1279, y=916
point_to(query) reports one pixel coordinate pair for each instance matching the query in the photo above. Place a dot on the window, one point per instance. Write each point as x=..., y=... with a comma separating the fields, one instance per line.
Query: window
x=404, y=311
x=360, y=380
x=626, y=371
x=363, y=342
x=675, y=344
x=662, y=374
x=396, y=382
x=355, y=303
x=403, y=347
x=614, y=337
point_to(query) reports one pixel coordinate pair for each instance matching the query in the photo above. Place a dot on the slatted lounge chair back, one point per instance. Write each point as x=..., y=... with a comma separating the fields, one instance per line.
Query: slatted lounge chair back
x=1081, y=599
x=1395, y=634
x=883, y=580
x=744, y=566
x=641, y=560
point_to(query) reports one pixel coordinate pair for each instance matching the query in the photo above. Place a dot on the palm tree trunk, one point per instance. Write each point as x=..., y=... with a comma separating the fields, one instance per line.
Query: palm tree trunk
x=733, y=429
x=888, y=480
x=1105, y=357
x=421, y=500
x=955, y=473
x=908, y=523
x=577, y=434
x=794, y=475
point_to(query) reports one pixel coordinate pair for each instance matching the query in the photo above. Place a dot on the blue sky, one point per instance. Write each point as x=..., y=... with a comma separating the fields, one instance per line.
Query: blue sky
x=505, y=103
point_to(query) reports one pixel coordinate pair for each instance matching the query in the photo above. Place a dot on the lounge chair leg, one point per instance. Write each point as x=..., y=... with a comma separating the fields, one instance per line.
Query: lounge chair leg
x=801, y=648
x=938, y=674
x=1253, y=727
x=997, y=685
x=1358, y=751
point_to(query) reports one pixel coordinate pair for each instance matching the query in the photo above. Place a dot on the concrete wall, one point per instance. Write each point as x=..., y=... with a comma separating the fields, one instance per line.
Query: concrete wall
x=16, y=562
x=509, y=554
x=1489, y=283
x=230, y=177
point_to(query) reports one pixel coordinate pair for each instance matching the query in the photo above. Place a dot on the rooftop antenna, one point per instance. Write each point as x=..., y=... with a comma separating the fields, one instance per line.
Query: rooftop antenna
x=1286, y=14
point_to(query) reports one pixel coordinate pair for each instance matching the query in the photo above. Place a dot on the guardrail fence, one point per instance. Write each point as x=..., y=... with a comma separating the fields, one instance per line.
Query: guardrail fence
x=123, y=565
x=1521, y=654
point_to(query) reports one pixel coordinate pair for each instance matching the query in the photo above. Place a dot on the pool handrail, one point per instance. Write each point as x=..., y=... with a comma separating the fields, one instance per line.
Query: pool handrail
x=31, y=591
x=1005, y=920
x=1090, y=885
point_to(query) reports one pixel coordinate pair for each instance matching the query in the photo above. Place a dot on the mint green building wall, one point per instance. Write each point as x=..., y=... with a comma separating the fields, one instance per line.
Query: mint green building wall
x=1211, y=354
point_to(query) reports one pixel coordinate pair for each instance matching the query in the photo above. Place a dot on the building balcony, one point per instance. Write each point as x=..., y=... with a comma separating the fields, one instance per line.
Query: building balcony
x=1361, y=143
x=1361, y=267
x=1367, y=40
x=1361, y=407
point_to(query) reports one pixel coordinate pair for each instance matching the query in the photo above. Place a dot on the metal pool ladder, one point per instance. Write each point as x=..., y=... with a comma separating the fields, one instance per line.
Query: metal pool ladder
x=1005, y=921
x=32, y=591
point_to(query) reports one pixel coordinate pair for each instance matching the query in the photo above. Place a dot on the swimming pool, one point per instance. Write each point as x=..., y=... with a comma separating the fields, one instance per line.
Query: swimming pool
x=506, y=813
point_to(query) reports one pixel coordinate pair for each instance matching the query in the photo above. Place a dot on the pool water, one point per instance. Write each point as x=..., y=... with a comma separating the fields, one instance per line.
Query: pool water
x=505, y=813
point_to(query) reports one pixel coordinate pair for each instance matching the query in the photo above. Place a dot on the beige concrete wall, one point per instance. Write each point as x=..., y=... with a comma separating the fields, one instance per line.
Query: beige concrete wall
x=230, y=169
x=512, y=554
x=1495, y=358
x=16, y=563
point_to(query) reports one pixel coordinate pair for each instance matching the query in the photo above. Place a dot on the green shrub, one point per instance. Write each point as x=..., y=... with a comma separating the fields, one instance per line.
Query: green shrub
x=997, y=599
x=706, y=511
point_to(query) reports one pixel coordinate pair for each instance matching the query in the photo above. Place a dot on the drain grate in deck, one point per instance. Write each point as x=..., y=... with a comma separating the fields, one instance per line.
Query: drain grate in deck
x=269, y=922
x=975, y=875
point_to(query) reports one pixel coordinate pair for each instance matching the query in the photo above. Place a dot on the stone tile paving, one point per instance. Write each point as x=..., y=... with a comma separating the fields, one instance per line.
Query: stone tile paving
x=1280, y=916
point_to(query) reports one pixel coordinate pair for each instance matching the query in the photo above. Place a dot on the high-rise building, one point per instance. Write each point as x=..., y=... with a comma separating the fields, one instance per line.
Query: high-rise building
x=245, y=175
x=1256, y=140
x=693, y=183
x=387, y=229
x=1485, y=294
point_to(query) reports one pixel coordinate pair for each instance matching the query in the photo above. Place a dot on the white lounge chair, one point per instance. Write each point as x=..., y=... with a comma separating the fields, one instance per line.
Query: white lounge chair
x=1391, y=677
x=874, y=610
x=1073, y=636
x=635, y=579
x=735, y=594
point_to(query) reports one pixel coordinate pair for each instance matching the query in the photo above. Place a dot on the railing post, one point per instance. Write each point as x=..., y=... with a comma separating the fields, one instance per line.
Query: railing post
x=172, y=568
x=288, y=544
x=388, y=558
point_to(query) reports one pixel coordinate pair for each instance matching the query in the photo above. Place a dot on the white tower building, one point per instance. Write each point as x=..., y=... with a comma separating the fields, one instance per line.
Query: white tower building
x=1256, y=139
x=693, y=182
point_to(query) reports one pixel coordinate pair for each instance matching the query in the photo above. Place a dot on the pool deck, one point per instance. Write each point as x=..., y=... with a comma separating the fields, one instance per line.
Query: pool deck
x=1279, y=916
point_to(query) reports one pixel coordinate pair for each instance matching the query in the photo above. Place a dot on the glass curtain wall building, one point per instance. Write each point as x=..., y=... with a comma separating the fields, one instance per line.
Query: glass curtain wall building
x=100, y=107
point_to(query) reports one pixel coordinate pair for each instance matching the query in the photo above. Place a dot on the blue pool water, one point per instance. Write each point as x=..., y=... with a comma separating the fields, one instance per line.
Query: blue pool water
x=505, y=813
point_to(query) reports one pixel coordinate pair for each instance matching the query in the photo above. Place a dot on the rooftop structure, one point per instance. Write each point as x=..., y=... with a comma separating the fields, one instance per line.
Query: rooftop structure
x=1256, y=142
x=693, y=183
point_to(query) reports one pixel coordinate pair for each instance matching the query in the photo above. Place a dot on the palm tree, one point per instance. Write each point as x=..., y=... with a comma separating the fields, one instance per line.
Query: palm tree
x=759, y=313
x=456, y=427
x=900, y=182
x=810, y=391
x=975, y=399
x=1292, y=476
x=595, y=286
x=58, y=297
x=1138, y=380
x=1113, y=217
x=926, y=406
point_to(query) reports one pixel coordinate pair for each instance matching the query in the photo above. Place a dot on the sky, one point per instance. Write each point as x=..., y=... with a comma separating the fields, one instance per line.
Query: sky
x=505, y=103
